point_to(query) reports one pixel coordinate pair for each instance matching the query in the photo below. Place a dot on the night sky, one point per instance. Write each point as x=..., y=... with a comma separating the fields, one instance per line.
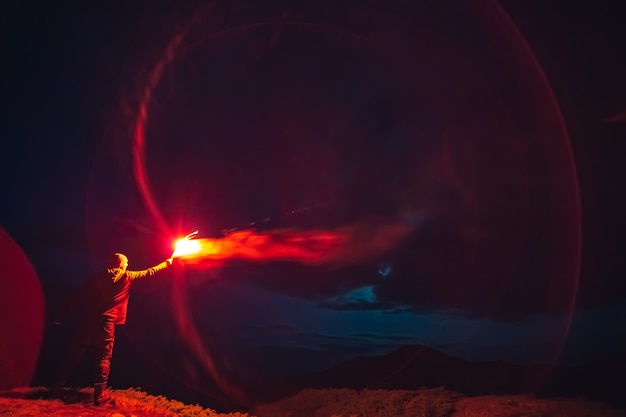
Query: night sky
x=494, y=133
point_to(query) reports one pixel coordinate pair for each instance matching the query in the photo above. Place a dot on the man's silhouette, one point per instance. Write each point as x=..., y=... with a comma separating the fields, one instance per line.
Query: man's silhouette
x=106, y=295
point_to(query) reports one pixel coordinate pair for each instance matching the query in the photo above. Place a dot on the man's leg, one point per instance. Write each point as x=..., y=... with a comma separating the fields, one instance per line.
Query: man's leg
x=104, y=352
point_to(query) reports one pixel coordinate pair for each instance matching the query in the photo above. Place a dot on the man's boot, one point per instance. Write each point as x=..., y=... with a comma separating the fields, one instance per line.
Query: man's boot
x=100, y=394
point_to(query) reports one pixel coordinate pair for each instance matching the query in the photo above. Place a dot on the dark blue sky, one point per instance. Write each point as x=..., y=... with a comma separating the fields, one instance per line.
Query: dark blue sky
x=490, y=141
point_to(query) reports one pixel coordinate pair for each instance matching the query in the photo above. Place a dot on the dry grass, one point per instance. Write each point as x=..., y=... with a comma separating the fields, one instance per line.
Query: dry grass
x=427, y=403
x=127, y=403
x=530, y=406
x=371, y=403
x=437, y=402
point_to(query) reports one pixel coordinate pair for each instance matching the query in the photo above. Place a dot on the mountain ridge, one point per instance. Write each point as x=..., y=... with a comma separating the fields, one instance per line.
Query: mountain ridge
x=416, y=366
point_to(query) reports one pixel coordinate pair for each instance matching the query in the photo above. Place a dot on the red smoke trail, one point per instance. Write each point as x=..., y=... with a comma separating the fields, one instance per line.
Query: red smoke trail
x=331, y=248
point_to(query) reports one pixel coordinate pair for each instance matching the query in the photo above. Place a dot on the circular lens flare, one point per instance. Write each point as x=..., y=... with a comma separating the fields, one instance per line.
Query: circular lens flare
x=565, y=238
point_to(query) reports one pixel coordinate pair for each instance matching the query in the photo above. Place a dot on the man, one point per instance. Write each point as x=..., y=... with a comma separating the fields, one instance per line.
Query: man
x=106, y=294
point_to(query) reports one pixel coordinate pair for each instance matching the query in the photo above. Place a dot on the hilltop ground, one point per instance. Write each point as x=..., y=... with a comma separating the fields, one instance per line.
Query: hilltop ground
x=436, y=402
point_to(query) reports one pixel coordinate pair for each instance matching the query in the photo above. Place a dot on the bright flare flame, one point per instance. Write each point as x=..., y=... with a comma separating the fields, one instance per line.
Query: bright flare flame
x=186, y=246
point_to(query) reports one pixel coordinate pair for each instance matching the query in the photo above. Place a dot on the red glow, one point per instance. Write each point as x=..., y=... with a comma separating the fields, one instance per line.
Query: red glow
x=21, y=315
x=316, y=247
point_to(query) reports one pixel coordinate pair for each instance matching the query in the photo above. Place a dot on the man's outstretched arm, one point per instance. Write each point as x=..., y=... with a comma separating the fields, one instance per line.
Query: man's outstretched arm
x=150, y=271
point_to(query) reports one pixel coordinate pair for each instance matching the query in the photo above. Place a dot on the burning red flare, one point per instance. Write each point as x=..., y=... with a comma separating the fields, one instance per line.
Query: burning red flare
x=186, y=246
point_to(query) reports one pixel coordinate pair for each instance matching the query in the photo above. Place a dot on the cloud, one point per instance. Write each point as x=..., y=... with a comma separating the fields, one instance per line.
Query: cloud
x=390, y=338
x=359, y=305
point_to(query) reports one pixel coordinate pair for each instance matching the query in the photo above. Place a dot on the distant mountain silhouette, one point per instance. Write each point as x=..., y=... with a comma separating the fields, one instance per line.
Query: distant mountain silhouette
x=413, y=367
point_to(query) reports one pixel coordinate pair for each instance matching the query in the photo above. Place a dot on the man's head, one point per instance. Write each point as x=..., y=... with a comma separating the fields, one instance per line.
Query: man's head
x=119, y=260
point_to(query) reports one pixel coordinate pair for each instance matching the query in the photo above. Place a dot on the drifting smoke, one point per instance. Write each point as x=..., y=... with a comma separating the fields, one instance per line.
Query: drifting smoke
x=335, y=248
